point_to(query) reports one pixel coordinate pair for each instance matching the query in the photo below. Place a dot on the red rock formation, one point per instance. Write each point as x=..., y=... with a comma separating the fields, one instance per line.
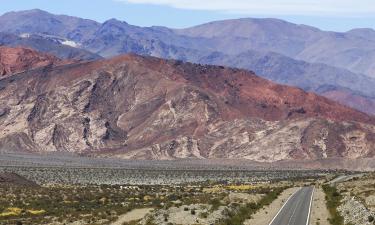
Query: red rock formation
x=15, y=60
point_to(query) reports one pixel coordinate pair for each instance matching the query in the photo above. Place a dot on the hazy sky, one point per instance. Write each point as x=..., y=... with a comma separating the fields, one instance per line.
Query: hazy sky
x=337, y=15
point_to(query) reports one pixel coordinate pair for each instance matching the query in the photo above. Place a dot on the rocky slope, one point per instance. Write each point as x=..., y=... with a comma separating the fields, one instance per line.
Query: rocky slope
x=47, y=44
x=340, y=85
x=11, y=179
x=149, y=108
x=350, y=98
x=16, y=60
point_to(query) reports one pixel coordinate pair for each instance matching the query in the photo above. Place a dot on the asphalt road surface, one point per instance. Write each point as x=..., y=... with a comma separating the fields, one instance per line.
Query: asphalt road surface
x=296, y=210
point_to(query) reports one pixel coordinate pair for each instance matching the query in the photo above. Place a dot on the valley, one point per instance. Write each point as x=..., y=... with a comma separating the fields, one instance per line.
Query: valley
x=109, y=191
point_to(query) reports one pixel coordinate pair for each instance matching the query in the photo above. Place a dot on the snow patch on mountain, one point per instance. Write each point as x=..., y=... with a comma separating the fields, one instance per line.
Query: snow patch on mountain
x=70, y=43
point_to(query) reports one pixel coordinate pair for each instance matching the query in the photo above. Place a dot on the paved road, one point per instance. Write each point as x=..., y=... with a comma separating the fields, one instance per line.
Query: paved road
x=296, y=211
x=344, y=178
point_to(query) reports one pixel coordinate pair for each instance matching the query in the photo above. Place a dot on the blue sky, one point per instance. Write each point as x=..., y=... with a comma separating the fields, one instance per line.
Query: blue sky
x=336, y=15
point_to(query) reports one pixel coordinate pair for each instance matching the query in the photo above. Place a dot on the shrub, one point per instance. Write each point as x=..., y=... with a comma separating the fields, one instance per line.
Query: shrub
x=333, y=199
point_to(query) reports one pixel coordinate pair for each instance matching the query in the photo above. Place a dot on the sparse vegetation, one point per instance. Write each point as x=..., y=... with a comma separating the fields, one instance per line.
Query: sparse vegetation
x=333, y=199
x=240, y=213
x=101, y=195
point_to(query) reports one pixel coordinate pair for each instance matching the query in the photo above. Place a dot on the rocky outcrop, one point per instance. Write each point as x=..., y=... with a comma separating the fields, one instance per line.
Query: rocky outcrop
x=16, y=60
x=354, y=212
x=148, y=108
x=12, y=179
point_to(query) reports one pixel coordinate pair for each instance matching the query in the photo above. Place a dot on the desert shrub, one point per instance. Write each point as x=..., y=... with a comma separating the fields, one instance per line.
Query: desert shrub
x=333, y=199
x=243, y=212
x=215, y=203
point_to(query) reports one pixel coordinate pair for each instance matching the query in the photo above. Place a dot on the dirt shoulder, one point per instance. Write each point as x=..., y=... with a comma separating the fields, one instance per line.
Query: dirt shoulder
x=319, y=211
x=133, y=215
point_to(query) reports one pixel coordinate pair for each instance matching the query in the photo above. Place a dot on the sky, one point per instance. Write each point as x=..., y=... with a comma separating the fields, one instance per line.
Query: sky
x=334, y=15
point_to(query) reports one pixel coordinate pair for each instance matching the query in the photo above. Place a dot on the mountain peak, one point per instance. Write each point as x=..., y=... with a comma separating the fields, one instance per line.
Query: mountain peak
x=114, y=22
x=363, y=32
x=26, y=12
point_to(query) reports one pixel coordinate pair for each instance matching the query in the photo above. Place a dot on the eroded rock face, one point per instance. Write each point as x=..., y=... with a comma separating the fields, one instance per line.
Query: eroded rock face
x=15, y=60
x=148, y=108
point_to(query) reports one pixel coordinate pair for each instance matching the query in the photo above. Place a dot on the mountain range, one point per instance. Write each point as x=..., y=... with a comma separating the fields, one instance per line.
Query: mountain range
x=68, y=90
x=141, y=107
x=339, y=66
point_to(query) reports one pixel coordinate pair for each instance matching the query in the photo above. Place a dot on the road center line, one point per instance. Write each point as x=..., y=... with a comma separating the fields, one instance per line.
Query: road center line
x=294, y=211
x=284, y=205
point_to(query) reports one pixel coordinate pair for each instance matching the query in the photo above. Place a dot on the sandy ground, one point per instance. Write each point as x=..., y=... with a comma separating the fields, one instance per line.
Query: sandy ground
x=133, y=215
x=178, y=215
x=265, y=215
x=244, y=197
x=319, y=211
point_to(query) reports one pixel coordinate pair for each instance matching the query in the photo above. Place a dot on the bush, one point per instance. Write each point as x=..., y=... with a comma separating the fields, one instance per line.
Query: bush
x=371, y=219
x=215, y=204
x=333, y=199
x=244, y=212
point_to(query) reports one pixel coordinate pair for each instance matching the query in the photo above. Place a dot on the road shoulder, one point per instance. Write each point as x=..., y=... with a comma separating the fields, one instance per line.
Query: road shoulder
x=319, y=212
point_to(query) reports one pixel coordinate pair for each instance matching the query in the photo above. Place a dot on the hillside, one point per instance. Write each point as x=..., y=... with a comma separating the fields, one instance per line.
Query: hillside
x=149, y=108
x=16, y=60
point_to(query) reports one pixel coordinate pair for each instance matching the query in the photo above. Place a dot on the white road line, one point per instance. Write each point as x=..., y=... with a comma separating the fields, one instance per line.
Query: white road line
x=284, y=205
x=294, y=211
x=311, y=200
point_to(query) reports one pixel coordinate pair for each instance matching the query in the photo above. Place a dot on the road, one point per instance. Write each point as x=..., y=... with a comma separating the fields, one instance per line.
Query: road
x=296, y=210
x=344, y=178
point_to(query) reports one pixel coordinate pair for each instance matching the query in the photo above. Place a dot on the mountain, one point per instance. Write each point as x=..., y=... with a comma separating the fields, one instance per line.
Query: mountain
x=319, y=78
x=287, y=53
x=148, y=108
x=48, y=45
x=16, y=60
x=347, y=97
x=115, y=37
x=40, y=22
x=353, y=50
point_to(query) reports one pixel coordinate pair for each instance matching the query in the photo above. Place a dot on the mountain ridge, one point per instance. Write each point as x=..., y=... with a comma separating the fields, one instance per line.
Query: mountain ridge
x=141, y=107
x=18, y=60
x=115, y=37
